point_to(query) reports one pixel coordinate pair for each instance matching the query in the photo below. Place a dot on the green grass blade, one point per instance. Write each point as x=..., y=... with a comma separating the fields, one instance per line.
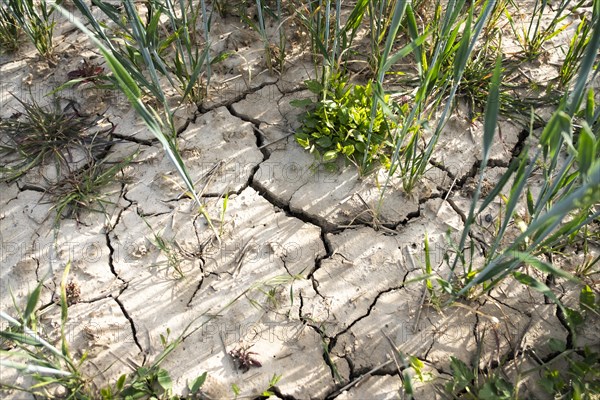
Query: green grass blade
x=196, y=72
x=139, y=34
x=586, y=152
x=413, y=30
x=34, y=369
x=523, y=173
x=539, y=286
x=462, y=54
x=31, y=334
x=490, y=122
x=32, y=303
x=399, y=10
x=514, y=165
x=64, y=305
x=412, y=47
x=587, y=63
x=492, y=108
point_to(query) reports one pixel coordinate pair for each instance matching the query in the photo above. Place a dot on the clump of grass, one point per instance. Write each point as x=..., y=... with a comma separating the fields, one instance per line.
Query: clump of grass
x=532, y=38
x=35, y=356
x=52, y=367
x=36, y=20
x=575, y=52
x=172, y=49
x=45, y=134
x=9, y=31
x=84, y=189
x=330, y=38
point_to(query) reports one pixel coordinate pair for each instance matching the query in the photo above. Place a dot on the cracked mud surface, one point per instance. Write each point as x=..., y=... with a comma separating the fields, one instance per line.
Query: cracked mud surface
x=304, y=272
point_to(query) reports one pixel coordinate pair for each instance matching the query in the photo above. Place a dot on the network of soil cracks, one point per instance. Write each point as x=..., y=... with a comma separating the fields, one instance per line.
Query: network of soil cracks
x=303, y=275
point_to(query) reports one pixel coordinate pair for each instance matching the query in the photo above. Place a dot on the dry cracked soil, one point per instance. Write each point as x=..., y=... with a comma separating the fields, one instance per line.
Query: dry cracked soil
x=302, y=275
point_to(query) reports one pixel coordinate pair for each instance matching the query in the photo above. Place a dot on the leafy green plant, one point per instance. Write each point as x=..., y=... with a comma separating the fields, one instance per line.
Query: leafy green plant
x=581, y=380
x=464, y=380
x=152, y=381
x=46, y=134
x=272, y=383
x=338, y=125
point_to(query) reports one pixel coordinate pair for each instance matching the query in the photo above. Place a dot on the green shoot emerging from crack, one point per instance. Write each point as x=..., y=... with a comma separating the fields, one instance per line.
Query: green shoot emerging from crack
x=168, y=249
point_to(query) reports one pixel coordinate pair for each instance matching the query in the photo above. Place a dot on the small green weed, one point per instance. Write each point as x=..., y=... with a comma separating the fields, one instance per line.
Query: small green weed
x=267, y=393
x=581, y=380
x=151, y=382
x=338, y=125
x=168, y=249
x=465, y=380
